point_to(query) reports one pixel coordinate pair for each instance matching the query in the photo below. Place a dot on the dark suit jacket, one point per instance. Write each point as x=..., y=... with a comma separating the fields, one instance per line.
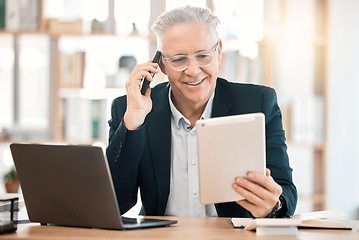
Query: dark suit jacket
x=142, y=158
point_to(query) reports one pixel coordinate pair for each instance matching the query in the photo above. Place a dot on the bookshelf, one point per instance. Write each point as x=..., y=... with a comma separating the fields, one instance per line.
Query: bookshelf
x=288, y=54
x=71, y=46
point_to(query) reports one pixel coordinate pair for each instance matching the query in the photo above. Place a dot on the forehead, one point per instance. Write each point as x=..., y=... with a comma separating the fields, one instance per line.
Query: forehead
x=186, y=38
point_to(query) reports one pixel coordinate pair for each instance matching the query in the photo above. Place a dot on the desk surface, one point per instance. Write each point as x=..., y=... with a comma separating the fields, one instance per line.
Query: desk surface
x=186, y=228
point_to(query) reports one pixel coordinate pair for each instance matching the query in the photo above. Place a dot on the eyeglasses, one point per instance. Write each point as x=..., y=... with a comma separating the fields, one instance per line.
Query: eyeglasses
x=181, y=62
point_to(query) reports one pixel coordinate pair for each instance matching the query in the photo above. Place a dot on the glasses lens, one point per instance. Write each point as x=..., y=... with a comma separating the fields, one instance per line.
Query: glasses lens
x=179, y=62
x=203, y=59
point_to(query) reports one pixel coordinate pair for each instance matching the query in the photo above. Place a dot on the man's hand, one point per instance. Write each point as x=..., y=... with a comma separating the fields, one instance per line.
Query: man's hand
x=138, y=106
x=261, y=193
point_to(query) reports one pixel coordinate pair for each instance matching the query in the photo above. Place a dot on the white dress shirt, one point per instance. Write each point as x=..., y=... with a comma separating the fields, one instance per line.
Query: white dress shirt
x=183, y=199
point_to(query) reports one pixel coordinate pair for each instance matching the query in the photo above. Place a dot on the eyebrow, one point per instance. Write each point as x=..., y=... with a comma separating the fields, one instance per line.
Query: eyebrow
x=205, y=50
x=182, y=54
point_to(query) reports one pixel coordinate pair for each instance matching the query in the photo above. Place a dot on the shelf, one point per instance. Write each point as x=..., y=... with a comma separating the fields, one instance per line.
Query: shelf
x=58, y=35
x=20, y=32
x=316, y=41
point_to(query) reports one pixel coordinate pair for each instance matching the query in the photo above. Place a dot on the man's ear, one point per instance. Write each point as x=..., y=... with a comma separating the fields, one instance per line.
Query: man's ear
x=162, y=66
x=219, y=51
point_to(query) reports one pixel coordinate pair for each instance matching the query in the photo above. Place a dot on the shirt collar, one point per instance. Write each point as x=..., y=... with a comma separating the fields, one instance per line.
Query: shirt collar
x=178, y=117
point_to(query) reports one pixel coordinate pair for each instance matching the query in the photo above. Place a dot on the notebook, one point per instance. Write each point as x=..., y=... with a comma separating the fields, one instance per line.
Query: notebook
x=228, y=147
x=71, y=185
x=310, y=220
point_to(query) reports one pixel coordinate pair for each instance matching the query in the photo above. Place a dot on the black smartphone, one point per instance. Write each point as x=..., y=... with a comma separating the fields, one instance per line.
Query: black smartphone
x=144, y=82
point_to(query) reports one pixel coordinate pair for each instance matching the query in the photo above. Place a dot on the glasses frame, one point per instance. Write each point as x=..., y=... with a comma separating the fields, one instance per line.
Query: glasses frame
x=169, y=60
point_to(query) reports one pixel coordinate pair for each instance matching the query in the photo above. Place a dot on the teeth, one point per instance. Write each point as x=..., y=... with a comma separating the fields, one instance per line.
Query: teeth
x=195, y=83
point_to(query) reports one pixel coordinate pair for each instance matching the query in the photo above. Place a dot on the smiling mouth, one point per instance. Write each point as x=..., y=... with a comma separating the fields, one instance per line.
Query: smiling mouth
x=195, y=83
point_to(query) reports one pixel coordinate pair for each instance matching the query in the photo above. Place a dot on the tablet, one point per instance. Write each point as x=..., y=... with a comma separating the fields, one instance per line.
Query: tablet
x=228, y=147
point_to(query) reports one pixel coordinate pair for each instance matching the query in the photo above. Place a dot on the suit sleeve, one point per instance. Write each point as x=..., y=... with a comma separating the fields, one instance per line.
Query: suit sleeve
x=123, y=154
x=276, y=151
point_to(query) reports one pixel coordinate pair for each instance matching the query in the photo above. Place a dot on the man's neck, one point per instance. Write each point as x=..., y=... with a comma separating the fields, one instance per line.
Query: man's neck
x=191, y=111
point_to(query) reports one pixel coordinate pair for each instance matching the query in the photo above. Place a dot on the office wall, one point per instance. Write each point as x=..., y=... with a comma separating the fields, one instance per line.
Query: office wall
x=343, y=107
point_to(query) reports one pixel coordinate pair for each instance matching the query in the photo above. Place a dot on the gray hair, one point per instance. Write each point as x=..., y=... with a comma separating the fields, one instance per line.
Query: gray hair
x=182, y=15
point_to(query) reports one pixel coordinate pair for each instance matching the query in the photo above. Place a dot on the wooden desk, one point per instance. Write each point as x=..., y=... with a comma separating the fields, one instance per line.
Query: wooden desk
x=186, y=228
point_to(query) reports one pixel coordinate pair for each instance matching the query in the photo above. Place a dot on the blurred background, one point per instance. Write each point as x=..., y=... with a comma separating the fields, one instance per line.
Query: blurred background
x=62, y=62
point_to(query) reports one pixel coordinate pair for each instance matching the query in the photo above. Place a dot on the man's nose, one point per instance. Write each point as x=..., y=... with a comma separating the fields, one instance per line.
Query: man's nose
x=193, y=69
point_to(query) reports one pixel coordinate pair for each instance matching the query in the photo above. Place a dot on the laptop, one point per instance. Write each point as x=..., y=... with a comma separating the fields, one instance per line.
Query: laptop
x=229, y=147
x=71, y=185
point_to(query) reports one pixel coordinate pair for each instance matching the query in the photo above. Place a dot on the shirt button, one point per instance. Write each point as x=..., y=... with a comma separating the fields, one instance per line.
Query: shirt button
x=194, y=192
x=193, y=162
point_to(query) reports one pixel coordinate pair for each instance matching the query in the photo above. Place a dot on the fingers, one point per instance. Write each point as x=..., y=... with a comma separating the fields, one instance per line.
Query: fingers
x=138, y=106
x=260, y=191
x=253, y=192
x=265, y=181
x=144, y=70
x=253, y=203
x=267, y=172
x=258, y=200
x=250, y=191
x=140, y=71
x=263, y=186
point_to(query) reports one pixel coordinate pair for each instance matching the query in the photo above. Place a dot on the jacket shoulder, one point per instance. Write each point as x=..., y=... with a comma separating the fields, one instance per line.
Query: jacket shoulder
x=243, y=87
x=159, y=89
x=240, y=91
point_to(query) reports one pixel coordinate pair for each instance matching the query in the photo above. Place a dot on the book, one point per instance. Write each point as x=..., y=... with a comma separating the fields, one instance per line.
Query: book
x=319, y=215
x=77, y=120
x=12, y=11
x=95, y=108
x=21, y=15
x=55, y=26
x=310, y=220
x=29, y=14
x=324, y=224
x=72, y=69
x=317, y=220
x=2, y=14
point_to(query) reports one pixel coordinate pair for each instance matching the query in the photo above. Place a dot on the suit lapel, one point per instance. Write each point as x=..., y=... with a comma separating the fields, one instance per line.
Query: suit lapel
x=222, y=104
x=159, y=131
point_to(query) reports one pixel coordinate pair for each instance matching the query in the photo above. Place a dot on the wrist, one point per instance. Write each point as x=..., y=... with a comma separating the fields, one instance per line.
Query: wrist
x=276, y=210
x=133, y=121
